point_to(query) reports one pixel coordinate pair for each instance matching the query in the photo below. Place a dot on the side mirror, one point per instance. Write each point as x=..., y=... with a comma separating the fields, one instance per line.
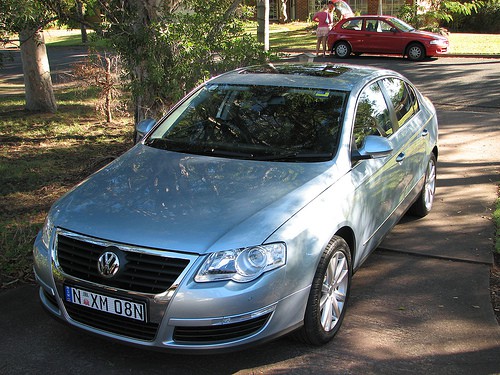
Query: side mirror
x=374, y=147
x=142, y=128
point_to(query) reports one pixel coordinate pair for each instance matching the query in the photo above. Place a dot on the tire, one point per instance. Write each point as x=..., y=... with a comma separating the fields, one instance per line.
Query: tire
x=423, y=204
x=415, y=52
x=342, y=50
x=330, y=288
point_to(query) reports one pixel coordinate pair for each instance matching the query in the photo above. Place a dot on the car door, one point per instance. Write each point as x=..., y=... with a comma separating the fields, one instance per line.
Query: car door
x=371, y=37
x=351, y=31
x=383, y=37
x=377, y=182
x=409, y=138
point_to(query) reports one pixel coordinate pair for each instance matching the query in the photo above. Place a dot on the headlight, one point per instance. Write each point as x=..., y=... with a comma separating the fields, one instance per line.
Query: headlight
x=438, y=41
x=242, y=265
x=47, y=231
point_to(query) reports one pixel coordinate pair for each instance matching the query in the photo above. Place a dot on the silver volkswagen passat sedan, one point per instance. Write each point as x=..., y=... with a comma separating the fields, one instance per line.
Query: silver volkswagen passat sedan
x=242, y=214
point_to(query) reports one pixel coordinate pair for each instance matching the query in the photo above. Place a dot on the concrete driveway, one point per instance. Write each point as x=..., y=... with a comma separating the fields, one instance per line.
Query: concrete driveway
x=420, y=304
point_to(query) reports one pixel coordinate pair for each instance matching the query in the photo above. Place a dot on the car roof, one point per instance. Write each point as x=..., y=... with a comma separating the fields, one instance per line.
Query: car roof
x=341, y=77
x=371, y=16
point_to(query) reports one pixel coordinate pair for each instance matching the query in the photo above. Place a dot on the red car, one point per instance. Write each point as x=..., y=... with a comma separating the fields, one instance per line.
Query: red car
x=384, y=35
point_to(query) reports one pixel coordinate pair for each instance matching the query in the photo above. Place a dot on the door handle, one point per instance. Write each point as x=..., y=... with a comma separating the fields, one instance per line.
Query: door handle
x=400, y=157
x=425, y=133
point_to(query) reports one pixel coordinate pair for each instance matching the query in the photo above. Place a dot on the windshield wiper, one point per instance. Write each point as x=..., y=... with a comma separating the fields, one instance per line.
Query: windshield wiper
x=230, y=154
x=198, y=149
x=178, y=146
x=169, y=145
x=184, y=147
x=296, y=156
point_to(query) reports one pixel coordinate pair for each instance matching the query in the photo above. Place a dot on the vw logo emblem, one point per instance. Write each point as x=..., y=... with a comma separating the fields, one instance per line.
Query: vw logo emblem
x=108, y=264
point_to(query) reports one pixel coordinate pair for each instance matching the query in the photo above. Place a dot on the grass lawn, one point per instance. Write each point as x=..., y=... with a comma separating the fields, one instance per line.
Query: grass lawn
x=41, y=157
x=475, y=44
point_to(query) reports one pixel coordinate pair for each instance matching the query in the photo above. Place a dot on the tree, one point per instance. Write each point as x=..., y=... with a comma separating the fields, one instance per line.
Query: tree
x=27, y=19
x=263, y=23
x=80, y=12
x=169, y=47
x=430, y=16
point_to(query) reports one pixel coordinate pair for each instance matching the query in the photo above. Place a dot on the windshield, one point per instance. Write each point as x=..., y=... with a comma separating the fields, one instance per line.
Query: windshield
x=255, y=122
x=401, y=25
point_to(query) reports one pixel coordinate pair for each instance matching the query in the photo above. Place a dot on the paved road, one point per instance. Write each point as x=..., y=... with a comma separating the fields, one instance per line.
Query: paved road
x=61, y=61
x=420, y=304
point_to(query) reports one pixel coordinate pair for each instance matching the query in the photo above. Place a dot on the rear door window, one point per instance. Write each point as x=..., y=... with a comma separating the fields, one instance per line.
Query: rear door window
x=403, y=99
x=353, y=24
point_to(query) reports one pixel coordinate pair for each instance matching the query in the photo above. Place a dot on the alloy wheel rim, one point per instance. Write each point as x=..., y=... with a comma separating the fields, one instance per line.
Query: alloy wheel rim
x=415, y=52
x=341, y=50
x=430, y=185
x=334, y=291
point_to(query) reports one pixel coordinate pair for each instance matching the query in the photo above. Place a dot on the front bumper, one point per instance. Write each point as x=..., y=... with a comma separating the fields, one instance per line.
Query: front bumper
x=187, y=316
x=437, y=49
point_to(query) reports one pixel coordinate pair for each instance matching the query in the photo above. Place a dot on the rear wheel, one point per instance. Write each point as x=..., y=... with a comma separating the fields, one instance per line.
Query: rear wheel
x=329, y=293
x=342, y=50
x=416, y=52
x=423, y=204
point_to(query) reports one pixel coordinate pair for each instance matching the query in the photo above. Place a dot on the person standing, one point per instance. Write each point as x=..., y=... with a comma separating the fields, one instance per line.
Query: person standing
x=342, y=9
x=324, y=22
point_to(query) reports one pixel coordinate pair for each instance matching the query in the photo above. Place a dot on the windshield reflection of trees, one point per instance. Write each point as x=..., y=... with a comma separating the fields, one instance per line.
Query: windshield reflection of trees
x=262, y=120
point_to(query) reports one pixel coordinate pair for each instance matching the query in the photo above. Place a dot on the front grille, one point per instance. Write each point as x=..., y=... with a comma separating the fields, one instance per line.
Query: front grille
x=112, y=323
x=144, y=273
x=223, y=332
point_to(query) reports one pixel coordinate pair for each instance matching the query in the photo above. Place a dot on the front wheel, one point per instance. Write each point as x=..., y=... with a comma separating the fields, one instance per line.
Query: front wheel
x=342, y=50
x=329, y=293
x=423, y=204
x=416, y=52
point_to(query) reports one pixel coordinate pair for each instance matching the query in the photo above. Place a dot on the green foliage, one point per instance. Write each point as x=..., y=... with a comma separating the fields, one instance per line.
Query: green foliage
x=17, y=15
x=448, y=8
x=437, y=12
x=485, y=20
x=168, y=56
x=496, y=219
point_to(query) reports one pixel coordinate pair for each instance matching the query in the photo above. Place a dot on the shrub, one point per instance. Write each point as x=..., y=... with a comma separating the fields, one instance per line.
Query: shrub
x=485, y=20
x=438, y=13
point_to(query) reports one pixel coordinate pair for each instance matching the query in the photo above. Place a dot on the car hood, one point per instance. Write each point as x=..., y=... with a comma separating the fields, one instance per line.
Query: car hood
x=174, y=201
x=429, y=35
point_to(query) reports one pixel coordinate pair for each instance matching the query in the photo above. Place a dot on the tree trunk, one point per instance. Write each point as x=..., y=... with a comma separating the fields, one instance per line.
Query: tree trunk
x=263, y=23
x=147, y=12
x=109, y=88
x=81, y=17
x=37, y=81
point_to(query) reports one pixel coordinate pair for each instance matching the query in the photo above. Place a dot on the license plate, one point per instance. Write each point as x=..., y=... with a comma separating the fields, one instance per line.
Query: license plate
x=111, y=305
